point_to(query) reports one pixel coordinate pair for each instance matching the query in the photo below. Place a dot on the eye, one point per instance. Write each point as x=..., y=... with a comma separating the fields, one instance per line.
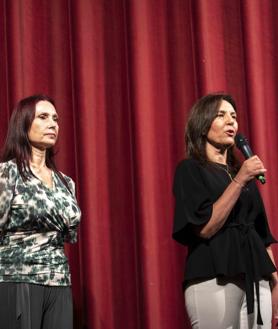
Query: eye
x=56, y=119
x=42, y=116
x=234, y=116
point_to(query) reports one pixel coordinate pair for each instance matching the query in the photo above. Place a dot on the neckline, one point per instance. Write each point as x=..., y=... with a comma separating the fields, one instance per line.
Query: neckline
x=42, y=183
x=221, y=164
x=218, y=164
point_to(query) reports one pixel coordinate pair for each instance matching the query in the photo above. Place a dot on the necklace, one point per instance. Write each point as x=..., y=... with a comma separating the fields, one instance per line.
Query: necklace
x=226, y=170
x=37, y=169
x=45, y=177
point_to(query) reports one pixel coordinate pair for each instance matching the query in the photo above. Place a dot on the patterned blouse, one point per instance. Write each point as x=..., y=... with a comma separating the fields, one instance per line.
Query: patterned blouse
x=35, y=221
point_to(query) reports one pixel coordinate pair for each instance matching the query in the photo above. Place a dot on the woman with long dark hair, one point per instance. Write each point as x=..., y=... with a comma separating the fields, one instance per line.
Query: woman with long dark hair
x=220, y=216
x=38, y=213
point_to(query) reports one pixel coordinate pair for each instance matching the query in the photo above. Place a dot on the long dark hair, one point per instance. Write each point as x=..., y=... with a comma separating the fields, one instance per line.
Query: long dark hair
x=202, y=114
x=17, y=146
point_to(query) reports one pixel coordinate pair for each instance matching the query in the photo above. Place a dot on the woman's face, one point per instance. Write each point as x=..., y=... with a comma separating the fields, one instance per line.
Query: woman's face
x=44, y=129
x=224, y=127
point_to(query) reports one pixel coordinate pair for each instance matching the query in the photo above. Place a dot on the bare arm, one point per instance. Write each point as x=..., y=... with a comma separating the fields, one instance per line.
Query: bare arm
x=223, y=206
x=221, y=210
x=274, y=276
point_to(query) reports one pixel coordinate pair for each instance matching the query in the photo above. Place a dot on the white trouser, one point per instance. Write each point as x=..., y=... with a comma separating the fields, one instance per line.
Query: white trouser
x=221, y=304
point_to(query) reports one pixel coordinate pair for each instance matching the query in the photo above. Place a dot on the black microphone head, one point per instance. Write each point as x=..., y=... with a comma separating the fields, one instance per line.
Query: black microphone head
x=241, y=140
x=243, y=145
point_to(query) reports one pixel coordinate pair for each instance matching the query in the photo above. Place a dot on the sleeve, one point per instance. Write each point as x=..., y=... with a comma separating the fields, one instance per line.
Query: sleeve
x=71, y=234
x=71, y=185
x=193, y=203
x=7, y=184
x=261, y=222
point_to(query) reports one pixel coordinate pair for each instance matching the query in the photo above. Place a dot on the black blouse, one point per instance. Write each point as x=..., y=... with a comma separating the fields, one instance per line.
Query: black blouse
x=239, y=247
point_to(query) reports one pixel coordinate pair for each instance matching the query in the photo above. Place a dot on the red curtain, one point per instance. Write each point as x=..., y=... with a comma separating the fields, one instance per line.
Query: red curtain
x=124, y=74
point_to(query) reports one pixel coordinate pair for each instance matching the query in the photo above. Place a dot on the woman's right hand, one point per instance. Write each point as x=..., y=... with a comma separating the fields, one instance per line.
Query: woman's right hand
x=250, y=169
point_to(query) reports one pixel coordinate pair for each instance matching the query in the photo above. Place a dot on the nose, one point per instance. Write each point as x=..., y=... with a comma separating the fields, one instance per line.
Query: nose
x=52, y=123
x=230, y=119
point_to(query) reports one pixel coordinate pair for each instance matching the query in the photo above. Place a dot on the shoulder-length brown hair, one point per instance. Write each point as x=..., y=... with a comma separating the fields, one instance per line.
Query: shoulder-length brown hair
x=202, y=114
x=17, y=146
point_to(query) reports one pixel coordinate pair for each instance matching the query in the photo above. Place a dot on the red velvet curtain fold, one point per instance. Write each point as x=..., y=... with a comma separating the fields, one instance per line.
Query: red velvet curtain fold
x=124, y=75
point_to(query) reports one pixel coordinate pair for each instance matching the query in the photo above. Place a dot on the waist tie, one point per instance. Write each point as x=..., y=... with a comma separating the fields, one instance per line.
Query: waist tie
x=23, y=309
x=251, y=276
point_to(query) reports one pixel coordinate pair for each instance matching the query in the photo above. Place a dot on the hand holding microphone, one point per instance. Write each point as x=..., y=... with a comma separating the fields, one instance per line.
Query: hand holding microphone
x=252, y=166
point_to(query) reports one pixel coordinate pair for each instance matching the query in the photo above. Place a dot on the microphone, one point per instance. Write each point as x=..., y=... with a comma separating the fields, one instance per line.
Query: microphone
x=243, y=145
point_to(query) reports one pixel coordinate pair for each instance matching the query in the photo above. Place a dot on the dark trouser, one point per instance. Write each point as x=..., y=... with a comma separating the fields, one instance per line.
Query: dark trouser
x=31, y=306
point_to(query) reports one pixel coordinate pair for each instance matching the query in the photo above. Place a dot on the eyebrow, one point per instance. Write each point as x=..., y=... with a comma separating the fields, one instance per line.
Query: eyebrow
x=46, y=113
x=225, y=111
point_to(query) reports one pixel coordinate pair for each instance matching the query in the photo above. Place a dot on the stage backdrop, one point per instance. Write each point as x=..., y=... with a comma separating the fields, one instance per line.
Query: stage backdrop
x=124, y=74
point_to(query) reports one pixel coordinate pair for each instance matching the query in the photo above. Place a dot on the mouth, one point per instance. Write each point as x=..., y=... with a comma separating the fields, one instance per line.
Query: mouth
x=230, y=132
x=51, y=135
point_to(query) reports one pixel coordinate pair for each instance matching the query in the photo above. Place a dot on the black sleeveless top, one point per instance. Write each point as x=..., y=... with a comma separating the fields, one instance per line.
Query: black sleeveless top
x=239, y=247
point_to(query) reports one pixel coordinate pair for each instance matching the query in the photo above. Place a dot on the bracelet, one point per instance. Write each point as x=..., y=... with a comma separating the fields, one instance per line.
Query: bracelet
x=236, y=181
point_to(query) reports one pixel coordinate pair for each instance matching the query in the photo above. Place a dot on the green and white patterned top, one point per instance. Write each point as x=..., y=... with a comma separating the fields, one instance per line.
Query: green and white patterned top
x=35, y=221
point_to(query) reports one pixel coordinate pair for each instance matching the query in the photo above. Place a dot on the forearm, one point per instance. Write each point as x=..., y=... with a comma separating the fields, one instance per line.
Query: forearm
x=221, y=210
x=274, y=276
